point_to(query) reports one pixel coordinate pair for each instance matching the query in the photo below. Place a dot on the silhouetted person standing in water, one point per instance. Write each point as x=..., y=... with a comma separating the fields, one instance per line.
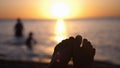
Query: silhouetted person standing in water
x=30, y=41
x=19, y=28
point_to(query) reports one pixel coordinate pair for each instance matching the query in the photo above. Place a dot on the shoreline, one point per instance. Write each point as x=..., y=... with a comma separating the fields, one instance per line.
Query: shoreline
x=32, y=64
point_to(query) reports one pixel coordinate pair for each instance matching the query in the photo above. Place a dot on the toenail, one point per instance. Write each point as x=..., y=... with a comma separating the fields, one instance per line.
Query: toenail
x=58, y=53
x=58, y=60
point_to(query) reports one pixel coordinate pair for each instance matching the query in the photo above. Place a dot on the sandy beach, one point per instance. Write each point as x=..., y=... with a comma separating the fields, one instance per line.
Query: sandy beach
x=31, y=64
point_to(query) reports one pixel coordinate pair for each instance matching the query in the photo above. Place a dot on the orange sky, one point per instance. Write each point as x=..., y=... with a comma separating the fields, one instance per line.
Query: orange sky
x=41, y=9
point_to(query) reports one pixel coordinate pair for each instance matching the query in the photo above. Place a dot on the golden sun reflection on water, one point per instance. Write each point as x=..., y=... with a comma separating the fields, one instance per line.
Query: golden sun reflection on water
x=60, y=31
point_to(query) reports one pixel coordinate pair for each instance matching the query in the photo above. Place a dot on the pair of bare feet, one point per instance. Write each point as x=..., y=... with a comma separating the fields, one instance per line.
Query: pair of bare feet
x=80, y=50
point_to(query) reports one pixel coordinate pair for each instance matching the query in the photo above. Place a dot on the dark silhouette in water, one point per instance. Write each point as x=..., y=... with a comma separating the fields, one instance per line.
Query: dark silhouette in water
x=82, y=53
x=30, y=41
x=19, y=28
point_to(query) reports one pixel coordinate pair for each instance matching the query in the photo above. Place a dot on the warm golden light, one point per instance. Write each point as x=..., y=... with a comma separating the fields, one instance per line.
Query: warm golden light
x=51, y=9
x=60, y=10
x=60, y=31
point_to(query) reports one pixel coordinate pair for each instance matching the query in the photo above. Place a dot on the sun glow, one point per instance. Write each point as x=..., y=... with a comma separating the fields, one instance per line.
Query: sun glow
x=60, y=10
x=60, y=31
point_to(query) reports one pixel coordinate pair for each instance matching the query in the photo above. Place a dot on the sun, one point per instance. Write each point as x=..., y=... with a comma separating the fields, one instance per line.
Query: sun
x=60, y=10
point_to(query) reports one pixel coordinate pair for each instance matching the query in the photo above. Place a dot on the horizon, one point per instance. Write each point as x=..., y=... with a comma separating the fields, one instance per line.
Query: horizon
x=63, y=19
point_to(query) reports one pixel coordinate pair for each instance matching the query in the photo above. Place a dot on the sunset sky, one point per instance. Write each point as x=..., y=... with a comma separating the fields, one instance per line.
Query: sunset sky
x=51, y=9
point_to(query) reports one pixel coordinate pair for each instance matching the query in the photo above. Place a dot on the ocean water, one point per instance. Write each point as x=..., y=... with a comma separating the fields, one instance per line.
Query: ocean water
x=103, y=33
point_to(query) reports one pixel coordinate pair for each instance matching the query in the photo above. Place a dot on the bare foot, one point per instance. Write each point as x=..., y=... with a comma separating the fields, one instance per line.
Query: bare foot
x=83, y=55
x=62, y=54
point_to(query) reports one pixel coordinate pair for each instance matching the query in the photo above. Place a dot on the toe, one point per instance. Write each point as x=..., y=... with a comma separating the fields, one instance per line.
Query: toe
x=93, y=51
x=85, y=43
x=78, y=41
x=89, y=45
